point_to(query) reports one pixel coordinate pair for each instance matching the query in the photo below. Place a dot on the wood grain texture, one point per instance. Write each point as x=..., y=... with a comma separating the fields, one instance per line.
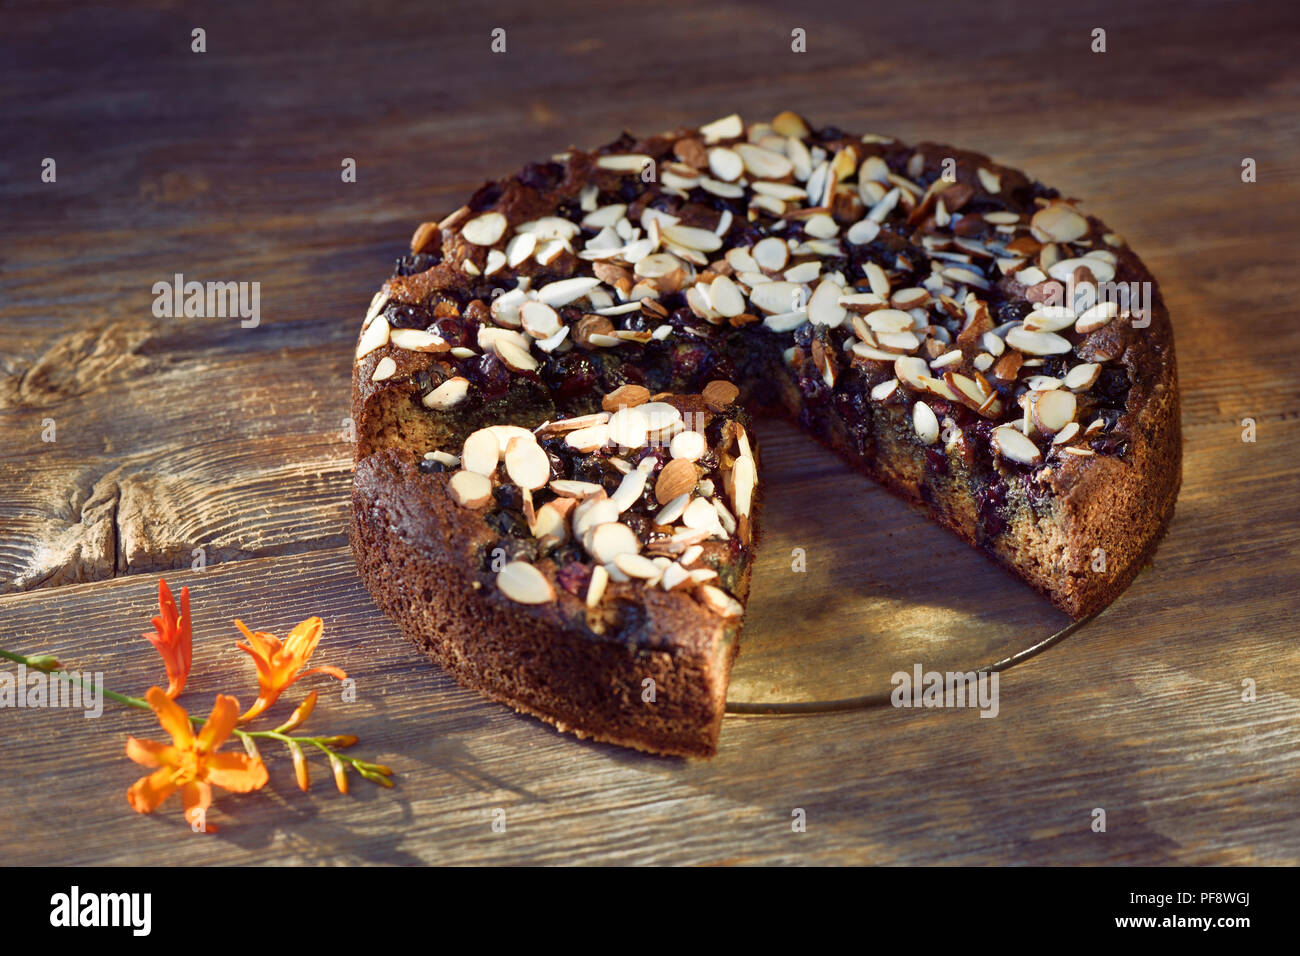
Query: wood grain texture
x=174, y=434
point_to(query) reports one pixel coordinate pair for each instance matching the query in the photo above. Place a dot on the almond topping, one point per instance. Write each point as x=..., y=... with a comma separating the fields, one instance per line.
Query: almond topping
x=625, y=396
x=524, y=584
x=447, y=395
x=678, y=477
x=925, y=423
x=719, y=602
x=469, y=489
x=611, y=539
x=484, y=230
x=1014, y=446
x=1053, y=410
x=743, y=479
x=527, y=463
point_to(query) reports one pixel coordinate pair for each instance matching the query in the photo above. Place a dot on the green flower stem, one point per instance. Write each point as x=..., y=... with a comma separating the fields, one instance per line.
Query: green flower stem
x=368, y=770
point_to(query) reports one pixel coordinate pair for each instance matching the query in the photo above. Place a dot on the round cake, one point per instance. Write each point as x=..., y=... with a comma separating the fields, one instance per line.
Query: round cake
x=557, y=484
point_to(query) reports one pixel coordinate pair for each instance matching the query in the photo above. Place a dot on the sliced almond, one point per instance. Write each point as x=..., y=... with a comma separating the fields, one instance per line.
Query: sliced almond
x=1008, y=367
x=566, y=291
x=1059, y=223
x=629, y=490
x=524, y=584
x=690, y=445
x=611, y=539
x=726, y=298
x=596, y=588
x=1096, y=317
x=1065, y=434
x=1049, y=318
x=743, y=479
x=527, y=463
x=481, y=453
x=1082, y=377
x=628, y=427
x=516, y=358
x=447, y=395
x=673, y=510
x=1037, y=343
x=726, y=164
x=581, y=490
x=925, y=423
x=1053, y=410
x=771, y=254
x=588, y=439
x=374, y=335
x=729, y=127
x=719, y=602
x=539, y=319
x=637, y=566
x=764, y=163
x=469, y=489
x=385, y=369
x=484, y=230
x=1014, y=446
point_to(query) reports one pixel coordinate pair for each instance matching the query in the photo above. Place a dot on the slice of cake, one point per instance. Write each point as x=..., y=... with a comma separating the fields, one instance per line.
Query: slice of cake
x=589, y=571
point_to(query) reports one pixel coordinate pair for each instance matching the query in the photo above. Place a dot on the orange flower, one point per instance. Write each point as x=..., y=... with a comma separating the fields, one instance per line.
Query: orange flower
x=278, y=664
x=172, y=637
x=191, y=763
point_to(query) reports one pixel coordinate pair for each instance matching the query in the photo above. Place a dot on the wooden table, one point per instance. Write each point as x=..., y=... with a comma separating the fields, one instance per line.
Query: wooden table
x=177, y=434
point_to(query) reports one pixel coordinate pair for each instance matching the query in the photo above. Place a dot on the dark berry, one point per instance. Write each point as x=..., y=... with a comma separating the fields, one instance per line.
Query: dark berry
x=490, y=374
x=541, y=176
x=574, y=577
x=454, y=332
x=409, y=265
x=485, y=197
x=408, y=316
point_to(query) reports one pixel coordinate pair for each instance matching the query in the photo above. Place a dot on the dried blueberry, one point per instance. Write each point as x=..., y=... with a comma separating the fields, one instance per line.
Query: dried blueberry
x=490, y=374
x=541, y=176
x=485, y=196
x=409, y=264
x=408, y=316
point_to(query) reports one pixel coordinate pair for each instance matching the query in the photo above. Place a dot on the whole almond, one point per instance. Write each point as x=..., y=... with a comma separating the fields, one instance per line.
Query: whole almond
x=719, y=393
x=588, y=326
x=625, y=396
x=691, y=152
x=424, y=235
x=678, y=477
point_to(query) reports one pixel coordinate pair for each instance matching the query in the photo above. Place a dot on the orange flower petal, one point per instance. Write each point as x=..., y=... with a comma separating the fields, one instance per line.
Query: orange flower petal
x=225, y=712
x=302, y=640
x=259, y=705
x=172, y=716
x=197, y=797
x=147, y=793
x=185, y=651
x=150, y=753
x=236, y=772
x=336, y=672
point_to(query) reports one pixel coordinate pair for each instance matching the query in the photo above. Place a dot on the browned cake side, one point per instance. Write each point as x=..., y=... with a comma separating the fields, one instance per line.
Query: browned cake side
x=419, y=555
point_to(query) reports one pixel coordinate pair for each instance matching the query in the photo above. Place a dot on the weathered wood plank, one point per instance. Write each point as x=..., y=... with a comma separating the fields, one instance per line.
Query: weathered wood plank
x=1145, y=721
x=174, y=434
